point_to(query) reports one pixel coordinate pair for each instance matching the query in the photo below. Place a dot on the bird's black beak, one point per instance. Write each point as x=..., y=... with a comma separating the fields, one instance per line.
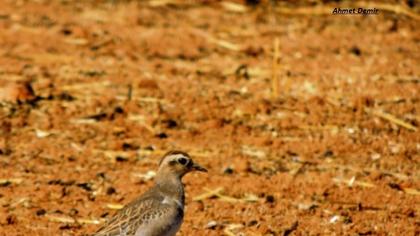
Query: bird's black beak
x=197, y=167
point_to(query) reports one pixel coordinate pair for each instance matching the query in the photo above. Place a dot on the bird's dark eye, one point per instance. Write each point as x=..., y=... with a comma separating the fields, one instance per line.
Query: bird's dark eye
x=182, y=161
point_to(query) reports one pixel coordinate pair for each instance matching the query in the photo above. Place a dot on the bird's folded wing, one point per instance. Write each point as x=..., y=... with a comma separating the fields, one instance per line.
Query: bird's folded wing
x=134, y=215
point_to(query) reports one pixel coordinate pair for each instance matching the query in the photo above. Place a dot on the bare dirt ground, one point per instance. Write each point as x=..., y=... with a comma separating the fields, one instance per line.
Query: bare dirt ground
x=93, y=93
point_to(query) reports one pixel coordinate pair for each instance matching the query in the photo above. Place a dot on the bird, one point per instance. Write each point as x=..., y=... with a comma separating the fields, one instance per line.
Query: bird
x=160, y=210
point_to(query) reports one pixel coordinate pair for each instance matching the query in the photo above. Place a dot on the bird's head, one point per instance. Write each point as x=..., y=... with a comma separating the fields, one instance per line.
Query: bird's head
x=178, y=163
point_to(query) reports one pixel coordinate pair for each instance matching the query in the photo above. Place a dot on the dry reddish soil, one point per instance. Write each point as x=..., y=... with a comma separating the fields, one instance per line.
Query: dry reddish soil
x=93, y=93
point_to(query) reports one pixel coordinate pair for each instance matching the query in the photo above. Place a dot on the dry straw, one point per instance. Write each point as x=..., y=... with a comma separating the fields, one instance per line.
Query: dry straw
x=275, y=83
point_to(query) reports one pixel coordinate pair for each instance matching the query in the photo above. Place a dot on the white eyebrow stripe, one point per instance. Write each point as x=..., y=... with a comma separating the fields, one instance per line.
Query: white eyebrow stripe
x=179, y=156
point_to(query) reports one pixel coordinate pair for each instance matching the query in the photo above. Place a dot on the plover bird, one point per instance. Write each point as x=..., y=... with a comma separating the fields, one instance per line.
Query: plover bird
x=160, y=210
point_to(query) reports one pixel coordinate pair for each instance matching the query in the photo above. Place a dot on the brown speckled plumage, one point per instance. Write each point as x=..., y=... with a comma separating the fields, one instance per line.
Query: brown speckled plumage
x=160, y=210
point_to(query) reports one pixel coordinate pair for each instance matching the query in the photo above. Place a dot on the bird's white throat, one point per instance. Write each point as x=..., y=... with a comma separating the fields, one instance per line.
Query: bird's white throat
x=169, y=200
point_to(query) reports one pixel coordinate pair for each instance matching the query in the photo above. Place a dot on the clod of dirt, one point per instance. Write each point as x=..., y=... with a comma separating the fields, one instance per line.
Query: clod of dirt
x=110, y=190
x=228, y=170
x=411, y=3
x=61, y=182
x=170, y=123
x=253, y=51
x=162, y=135
x=11, y=219
x=69, y=227
x=121, y=159
x=40, y=212
x=410, y=213
x=98, y=117
x=73, y=212
x=356, y=51
x=252, y=223
x=130, y=146
x=270, y=199
x=395, y=186
x=328, y=153
x=253, y=2
x=64, y=96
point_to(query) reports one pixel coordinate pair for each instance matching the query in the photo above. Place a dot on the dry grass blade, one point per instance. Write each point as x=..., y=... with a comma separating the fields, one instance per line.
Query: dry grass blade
x=77, y=41
x=89, y=221
x=208, y=194
x=143, y=99
x=69, y=220
x=162, y=3
x=42, y=134
x=411, y=191
x=392, y=119
x=275, y=83
x=112, y=155
x=225, y=44
x=253, y=152
x=146, y=176
x=83, y=121
x=77, y=147
x=141, y=120
x=61, y=219
x=250, y=197
x=113, y=206
x=218, y=193
x=228, y=230
x=228, y=198
x=353, y=182
x=298, y=170
x=220, y=42
x=234, y=7
x=147, y=152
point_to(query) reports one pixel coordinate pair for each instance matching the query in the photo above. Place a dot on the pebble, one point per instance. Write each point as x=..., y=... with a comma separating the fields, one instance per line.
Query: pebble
x=211, y=224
